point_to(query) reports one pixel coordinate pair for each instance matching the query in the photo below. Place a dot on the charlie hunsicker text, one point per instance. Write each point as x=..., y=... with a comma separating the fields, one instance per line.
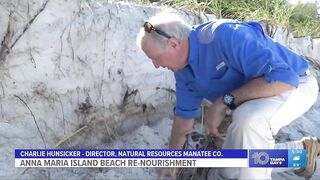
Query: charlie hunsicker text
x=121, y=153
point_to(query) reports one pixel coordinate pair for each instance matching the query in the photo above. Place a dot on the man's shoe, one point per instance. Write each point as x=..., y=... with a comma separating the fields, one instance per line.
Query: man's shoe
x=312, y=147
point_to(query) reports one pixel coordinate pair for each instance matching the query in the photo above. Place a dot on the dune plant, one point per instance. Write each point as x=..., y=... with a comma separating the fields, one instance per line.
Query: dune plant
x=301, y=19
x=305, y=20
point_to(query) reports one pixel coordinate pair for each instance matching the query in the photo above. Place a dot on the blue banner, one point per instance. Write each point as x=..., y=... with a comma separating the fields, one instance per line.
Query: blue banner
x=129, y=153
x=277, y=158
x=297, y=158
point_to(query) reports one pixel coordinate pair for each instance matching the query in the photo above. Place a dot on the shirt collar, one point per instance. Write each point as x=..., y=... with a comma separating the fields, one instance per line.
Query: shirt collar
x=193, y=52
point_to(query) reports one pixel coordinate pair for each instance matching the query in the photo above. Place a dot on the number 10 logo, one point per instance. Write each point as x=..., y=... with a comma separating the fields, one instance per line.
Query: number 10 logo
x=260, y=158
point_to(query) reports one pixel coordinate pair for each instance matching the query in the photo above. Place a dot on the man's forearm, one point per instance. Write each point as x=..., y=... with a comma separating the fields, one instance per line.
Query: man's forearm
x=256, y=88
x=180, y=129
x=177, y=141
x=259, y=88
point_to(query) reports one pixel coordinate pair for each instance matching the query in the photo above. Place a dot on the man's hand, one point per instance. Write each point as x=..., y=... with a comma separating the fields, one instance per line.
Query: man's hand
x=214, y=116
x=167, y=173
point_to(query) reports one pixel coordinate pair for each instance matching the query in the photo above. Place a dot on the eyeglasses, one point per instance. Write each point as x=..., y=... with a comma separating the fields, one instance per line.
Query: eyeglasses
x=149, y=27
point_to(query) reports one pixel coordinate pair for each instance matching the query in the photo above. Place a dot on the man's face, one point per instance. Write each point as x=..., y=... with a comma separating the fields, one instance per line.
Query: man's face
x=161, y=56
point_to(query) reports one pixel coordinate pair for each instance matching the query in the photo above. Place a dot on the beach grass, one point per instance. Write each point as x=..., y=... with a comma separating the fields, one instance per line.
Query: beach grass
x=301, y=19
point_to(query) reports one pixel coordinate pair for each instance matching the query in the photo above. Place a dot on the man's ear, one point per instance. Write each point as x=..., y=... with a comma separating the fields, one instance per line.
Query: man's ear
x=174, y=43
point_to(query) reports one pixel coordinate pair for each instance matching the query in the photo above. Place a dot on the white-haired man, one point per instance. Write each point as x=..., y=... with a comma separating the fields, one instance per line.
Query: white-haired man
x=236, y=66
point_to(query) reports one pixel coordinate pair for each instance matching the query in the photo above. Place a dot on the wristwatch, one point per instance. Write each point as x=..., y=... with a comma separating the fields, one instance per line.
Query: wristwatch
x=228, y=100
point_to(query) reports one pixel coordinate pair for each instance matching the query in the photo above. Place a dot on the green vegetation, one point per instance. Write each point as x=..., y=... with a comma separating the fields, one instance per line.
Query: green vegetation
x=301, y=19
x=304, y=20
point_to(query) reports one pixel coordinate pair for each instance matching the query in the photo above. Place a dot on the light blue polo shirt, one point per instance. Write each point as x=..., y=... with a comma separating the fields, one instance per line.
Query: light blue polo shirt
x=223, y=56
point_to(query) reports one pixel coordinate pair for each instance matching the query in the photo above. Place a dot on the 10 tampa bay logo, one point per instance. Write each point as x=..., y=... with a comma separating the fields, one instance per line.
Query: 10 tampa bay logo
x=268, y=158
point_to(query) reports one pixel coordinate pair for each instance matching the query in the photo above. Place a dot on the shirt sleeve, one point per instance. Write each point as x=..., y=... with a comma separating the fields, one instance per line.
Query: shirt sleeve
x=187, y=102
x=249, y=53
